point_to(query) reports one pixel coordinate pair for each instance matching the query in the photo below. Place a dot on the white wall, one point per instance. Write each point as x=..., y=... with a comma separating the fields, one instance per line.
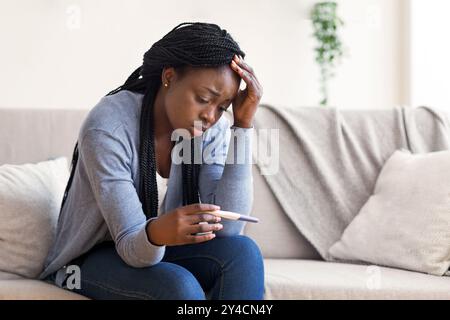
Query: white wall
x=430, y=53
x=67, y=54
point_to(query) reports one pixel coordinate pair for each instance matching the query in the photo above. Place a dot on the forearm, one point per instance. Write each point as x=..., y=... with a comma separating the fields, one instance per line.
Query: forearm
x=234, y=191
x=136, y=250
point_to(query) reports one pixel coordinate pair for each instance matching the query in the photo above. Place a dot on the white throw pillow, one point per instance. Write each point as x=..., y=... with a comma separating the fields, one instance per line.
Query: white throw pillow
x=406, y=222
x=30, y=199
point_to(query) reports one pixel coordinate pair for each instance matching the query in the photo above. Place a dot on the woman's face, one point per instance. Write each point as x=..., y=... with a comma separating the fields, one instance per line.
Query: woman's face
x=200, y=94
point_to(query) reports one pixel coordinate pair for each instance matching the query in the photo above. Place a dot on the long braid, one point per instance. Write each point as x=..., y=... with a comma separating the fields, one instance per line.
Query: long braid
x=194, y=44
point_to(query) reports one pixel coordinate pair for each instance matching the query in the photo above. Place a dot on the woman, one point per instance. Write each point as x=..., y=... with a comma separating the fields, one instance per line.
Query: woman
x=129, y=245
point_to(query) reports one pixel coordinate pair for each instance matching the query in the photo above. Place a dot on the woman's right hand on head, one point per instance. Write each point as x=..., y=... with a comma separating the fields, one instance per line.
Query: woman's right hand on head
x=179, y=226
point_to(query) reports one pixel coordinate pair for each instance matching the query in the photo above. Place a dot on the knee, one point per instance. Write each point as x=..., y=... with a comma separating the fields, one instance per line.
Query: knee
x=184, y=285
x=246, y=248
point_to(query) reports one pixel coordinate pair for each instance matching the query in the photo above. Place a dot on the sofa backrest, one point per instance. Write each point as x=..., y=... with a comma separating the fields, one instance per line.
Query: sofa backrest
x=275, y=234
x=38, y=135
x=29, y=136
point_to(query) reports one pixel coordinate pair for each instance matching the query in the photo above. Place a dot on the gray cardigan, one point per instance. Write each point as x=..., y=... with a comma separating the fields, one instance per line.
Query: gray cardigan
x=103, y=202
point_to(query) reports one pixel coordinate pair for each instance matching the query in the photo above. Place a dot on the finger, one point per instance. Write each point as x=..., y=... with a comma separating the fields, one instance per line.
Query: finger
x=253, y=86
x=245, y=75
x=202, y=217
x=243, y=64
x=204, y=227
x=254, y=82
x=201, y=238
x=199, y=207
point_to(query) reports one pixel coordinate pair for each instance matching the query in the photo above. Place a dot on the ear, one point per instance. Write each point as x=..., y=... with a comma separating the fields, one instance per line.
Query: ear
x=168, y=75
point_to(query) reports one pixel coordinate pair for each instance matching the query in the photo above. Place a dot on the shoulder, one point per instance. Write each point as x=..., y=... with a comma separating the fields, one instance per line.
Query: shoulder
x=216, y=140
x=120, y=110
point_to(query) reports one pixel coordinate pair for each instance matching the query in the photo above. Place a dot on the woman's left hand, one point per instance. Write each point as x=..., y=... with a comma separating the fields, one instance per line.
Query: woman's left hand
x=246, y=101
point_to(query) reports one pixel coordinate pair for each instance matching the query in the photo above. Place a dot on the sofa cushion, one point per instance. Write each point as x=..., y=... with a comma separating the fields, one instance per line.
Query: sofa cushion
x=309, y=279
x=30, y=198
x=294, y=279
x=25, y=289
x=406, y=222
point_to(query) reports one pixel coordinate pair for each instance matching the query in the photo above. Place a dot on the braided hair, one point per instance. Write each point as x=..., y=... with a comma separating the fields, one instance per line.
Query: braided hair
x=190, y=44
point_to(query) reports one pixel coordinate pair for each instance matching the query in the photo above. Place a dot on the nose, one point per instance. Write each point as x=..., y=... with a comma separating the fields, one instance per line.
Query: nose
x=208, y=117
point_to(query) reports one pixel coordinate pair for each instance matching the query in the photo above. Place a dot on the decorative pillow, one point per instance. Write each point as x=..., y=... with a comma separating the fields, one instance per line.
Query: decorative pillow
x=30, y=200
x=406, y=222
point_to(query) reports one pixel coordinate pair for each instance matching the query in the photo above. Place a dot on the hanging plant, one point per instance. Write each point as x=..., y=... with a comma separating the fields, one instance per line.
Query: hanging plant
x=329, y=49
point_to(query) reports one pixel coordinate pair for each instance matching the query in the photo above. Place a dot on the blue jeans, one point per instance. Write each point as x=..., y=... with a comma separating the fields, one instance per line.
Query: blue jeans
x=229, y=268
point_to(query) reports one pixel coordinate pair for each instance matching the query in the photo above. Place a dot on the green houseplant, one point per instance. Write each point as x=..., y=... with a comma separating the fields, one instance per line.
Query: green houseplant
x=329, y=46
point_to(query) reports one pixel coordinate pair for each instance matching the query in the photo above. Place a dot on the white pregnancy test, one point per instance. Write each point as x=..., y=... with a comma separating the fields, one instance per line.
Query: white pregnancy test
x=232, y=215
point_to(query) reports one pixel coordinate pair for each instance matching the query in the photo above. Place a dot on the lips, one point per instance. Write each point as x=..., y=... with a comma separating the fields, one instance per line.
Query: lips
x=199, y=127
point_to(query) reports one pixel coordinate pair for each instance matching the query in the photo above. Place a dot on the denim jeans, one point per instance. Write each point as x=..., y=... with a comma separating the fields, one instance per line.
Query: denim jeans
x=226, y=268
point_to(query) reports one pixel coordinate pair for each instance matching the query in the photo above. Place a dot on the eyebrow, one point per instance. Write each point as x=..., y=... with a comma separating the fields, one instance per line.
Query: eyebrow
x=214, y=92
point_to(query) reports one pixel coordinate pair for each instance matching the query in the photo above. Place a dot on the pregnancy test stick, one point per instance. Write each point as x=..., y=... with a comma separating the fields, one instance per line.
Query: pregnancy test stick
x=232, y=215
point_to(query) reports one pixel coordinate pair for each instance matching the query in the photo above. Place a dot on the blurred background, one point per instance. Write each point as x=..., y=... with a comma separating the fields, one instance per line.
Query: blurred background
x=68, y=54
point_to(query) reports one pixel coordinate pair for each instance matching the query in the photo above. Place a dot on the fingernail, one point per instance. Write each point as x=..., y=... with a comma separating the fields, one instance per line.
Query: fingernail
x=219, y=227
x=217, y=207
x=218, y=219
x=236, y=58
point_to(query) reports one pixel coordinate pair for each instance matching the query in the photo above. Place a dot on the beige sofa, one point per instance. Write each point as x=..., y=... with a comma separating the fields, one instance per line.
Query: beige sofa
x=293, y=268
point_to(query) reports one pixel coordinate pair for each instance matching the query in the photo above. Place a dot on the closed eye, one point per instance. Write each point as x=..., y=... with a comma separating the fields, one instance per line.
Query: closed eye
x=202, y=100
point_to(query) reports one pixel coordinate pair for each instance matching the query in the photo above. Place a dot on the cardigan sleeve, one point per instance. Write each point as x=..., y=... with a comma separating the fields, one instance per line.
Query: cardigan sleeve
x=108, y=163
x=226, y=173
